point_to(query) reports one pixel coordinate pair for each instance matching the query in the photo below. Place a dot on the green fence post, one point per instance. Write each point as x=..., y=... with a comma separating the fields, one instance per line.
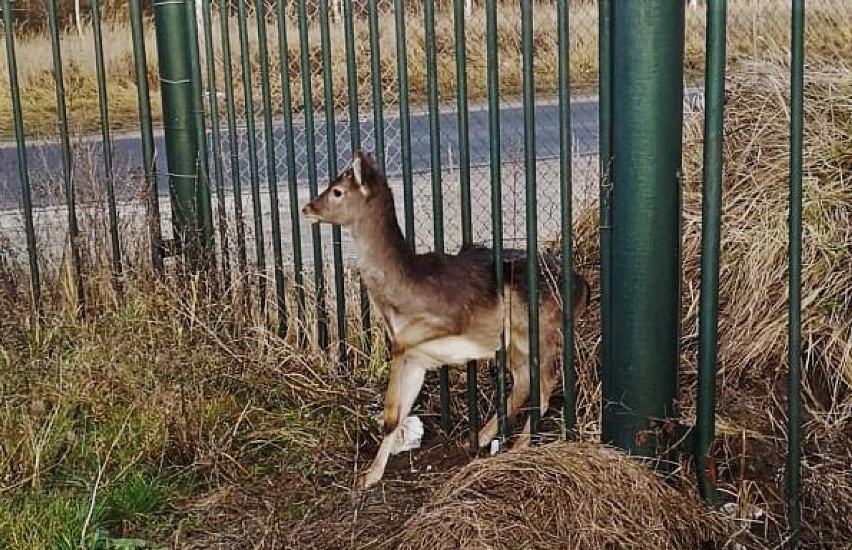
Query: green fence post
x=216, y=144
x=711, y=216
x=187, y=179
x=251, y=151
x=647, y=58
x=530, y=174
x=146, y=136
x=463, y=117
x=331, y=157
x=290, y=155
x=310, y=144
x=106, y=143
x=67, y=160
x=271, y=171
x=23, y=171
x=793, y=469
x=605, y=187
x=566, y=196
x=492, y=63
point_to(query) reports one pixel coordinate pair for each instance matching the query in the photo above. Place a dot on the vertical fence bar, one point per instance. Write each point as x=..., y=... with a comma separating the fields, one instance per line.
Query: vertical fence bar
x=496, y=195
x=711, y=215
x=464, y=177
x=310, y=143
x=331, y=148
x=23, y=170
x=292, y=183
x=67, y=167
x=605, y=85
x=376, y=78
x=641, y=388
x=351, y=77
x=271, y=172
x=434, y=125
x=569, y=380
x=183, y=145
x=216, y=139
x=146, y=132
x=106, y=143
x=251, y=143
x=378, y=110
x=794, y=359
x=437, y=183
x=203, y=200
x=404, y=122
x=531, y=213
x=463, y=121
x=233, y=145
x=355, y=139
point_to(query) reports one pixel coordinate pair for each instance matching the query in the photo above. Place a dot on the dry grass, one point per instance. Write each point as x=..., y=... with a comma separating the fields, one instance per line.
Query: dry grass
x=754, y=240
x=186, y=421
x=751, y=442
x=755, y=28
x=561, y=495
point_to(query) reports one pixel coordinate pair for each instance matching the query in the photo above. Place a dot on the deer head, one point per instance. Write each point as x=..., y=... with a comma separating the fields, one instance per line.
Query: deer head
x=350, y=195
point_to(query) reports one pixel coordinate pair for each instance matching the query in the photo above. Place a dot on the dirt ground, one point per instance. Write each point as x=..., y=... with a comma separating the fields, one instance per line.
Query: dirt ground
x=259, y=515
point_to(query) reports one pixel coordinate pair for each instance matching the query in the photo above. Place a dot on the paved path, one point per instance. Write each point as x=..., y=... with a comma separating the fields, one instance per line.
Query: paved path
x=51, y=224
x=45, y=159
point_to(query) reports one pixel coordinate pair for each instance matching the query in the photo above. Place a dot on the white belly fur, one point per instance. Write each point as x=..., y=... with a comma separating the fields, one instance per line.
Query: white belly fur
x=455, y=350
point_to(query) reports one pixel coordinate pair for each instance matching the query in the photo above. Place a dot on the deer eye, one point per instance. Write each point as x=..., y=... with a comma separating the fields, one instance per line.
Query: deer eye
x=337, y=192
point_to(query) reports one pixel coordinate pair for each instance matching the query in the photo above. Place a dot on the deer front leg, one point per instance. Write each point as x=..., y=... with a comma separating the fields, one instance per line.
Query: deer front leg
x=406, y=379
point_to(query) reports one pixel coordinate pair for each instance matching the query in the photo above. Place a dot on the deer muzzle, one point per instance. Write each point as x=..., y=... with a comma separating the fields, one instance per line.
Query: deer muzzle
x=310, y=212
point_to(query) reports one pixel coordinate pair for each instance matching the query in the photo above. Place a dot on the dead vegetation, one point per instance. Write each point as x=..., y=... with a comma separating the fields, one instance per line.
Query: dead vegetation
x=561, y=495
x=225, y=435
x=754, y=29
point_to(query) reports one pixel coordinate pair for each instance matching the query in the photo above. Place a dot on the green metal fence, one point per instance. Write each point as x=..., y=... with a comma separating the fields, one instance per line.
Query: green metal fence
x=488, y=143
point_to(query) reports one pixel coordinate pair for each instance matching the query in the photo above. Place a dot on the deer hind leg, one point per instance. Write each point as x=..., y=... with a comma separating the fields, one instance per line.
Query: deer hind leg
x=517, y=365
x=548, y=383
x=550, y=337
x=406, y=379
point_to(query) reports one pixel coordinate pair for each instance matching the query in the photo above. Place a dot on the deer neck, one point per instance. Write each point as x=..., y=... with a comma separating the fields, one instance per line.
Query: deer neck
x=383, y=253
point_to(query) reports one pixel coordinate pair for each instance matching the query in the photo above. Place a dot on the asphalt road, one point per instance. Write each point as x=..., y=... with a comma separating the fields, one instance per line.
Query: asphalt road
x=44, y=159
x=45, y=169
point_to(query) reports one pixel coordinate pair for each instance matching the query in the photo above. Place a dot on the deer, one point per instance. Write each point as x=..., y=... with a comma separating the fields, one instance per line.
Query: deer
x=442, y=309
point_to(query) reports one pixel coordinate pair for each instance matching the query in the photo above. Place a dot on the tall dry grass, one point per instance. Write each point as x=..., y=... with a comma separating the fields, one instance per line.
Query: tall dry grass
x=755, y=27
x=128, y=422
x=752, y=364
x=202, y=401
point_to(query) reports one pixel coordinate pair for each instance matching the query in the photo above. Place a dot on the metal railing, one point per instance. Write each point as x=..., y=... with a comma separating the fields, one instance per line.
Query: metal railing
x=320, y=100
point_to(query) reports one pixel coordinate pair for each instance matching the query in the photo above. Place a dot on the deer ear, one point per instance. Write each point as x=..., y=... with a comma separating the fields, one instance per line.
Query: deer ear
x=363, y=170
x=357, y=170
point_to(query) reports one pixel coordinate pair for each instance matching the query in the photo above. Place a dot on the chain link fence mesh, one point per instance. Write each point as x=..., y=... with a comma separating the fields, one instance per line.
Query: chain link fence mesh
x=755, y=28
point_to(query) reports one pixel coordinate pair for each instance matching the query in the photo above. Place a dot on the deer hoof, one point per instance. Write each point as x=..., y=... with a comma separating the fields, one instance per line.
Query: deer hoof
x=522, y=442
x=367, y=479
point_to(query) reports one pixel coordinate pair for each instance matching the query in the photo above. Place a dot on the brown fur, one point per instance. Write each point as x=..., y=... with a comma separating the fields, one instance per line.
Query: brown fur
x=440, y=308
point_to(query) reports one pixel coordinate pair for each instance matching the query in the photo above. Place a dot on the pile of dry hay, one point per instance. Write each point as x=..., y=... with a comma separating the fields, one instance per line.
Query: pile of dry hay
x=561, y=495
